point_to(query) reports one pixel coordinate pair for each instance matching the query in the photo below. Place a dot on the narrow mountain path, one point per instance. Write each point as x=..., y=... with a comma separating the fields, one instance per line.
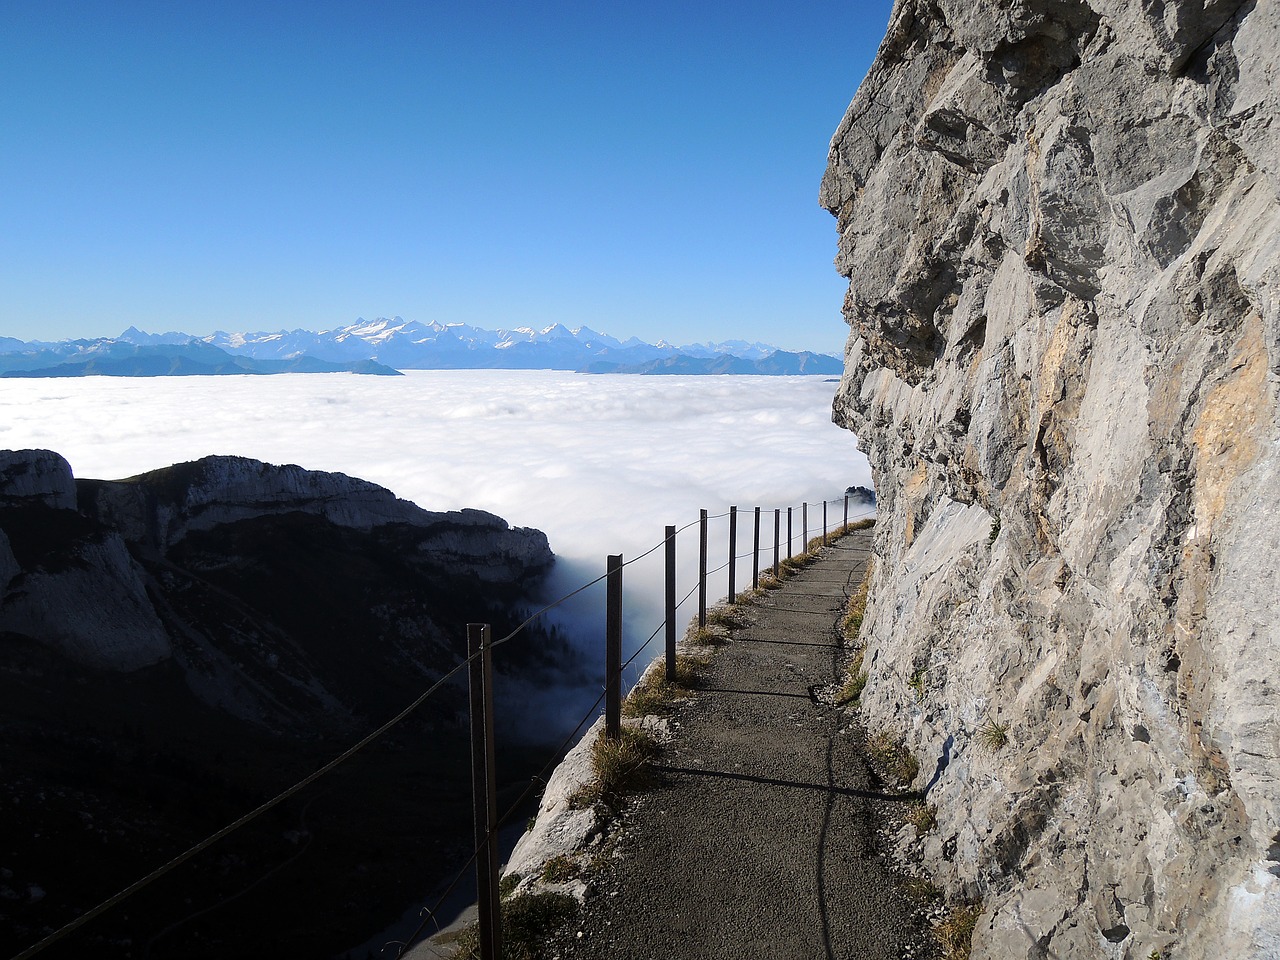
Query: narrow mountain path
x=760, y=841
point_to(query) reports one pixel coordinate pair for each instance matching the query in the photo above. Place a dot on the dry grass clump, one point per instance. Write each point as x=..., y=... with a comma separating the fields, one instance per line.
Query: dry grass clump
x=855, y=682
x=620, y=766
x=730, y=617
x=992, y=735
x=561, y=869
x=655, y=695
x=954, y=932
x=922, y=816
x=892, y=757
x=528, y=921
x=851, y=624
x=709, y=637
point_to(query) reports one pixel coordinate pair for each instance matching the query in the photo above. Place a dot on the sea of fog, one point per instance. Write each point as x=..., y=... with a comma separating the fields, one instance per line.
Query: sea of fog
x=600, y=463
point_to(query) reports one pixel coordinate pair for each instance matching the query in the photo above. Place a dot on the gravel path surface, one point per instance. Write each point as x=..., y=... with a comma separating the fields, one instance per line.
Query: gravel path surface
x=760, y=840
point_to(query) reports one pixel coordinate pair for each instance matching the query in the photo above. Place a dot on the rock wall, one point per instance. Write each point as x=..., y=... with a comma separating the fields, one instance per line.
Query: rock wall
x=1060, y=224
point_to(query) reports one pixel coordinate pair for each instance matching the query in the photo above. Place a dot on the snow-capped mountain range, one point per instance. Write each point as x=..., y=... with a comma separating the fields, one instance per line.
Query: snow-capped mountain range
x=405, y=345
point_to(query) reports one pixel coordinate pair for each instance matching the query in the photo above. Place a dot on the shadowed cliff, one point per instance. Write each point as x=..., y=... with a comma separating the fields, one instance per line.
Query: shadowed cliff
x=178, y=647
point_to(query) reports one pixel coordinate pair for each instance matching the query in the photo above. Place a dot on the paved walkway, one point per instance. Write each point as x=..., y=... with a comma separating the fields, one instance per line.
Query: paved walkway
x=760, y=841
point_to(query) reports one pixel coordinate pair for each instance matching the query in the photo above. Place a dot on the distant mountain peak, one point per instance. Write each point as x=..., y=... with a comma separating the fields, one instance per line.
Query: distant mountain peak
x=399, y=344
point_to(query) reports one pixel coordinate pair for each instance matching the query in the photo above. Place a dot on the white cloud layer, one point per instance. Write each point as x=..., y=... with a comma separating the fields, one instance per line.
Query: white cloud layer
x=600, y=463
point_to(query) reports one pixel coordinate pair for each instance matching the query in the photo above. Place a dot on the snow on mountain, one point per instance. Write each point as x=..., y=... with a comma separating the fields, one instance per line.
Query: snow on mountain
x=409, y=344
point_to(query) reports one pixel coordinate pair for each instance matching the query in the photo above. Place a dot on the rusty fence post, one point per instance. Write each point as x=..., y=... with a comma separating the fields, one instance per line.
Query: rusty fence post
x=702, y=569
x=777, y=528
x=484, y=790
x=755, y=551
x=671, y=604
x=733, y=554
x=613, y=650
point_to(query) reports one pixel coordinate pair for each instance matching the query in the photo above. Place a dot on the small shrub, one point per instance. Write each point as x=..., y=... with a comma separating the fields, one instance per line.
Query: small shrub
x=561, y=869
x=769, y=582
x=507, y=885
x=992, y=735
x=995, y=530
x=922, y=816
x=954, y=932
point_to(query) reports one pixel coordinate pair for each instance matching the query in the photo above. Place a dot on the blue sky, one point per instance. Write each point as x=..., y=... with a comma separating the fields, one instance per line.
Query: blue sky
x=644, y=169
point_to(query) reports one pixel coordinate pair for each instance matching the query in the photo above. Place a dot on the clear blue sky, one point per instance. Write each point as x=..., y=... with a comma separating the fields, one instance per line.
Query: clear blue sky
x=642, y=168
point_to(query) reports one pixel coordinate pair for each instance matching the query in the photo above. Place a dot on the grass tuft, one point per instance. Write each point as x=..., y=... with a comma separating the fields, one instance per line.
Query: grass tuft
x=892, y=756
x=655, y=695
x=916, y=683
x=992, y=735
x=855, y=682
x=922, y=889
x=528, y=921
x=621, y=766
x=954, y=932
x=856, y=609
x=561, y=869
x=922, y=816
x=729, y=617
x=706, y=637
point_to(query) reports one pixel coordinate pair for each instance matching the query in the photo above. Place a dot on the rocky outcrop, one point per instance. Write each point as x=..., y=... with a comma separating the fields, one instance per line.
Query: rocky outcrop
x=95, y=573
x=42, y=475
x=162, y=507
x=1059, y=220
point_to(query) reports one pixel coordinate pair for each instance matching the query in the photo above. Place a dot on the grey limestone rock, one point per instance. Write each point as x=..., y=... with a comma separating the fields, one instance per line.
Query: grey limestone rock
x=1061, y=227
x=36, y=474
x=164, y=506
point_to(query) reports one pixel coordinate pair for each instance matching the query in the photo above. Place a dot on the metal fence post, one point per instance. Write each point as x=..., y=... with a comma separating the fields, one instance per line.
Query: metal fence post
x=777, y=527
x=484, y=787
x=671, y=604
x=804, y=527
x=702, y=569
x=846, y=509
x=755, y=554
x=824, y=523
x=733, y=554
x=613, y=650
x=789, y=535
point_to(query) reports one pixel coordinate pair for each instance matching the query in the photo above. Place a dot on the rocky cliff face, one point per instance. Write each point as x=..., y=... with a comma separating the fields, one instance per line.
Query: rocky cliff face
x=1060, y=224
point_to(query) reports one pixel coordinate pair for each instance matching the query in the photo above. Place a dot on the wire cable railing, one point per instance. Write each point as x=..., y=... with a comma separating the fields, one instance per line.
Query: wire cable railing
x=429, y=915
